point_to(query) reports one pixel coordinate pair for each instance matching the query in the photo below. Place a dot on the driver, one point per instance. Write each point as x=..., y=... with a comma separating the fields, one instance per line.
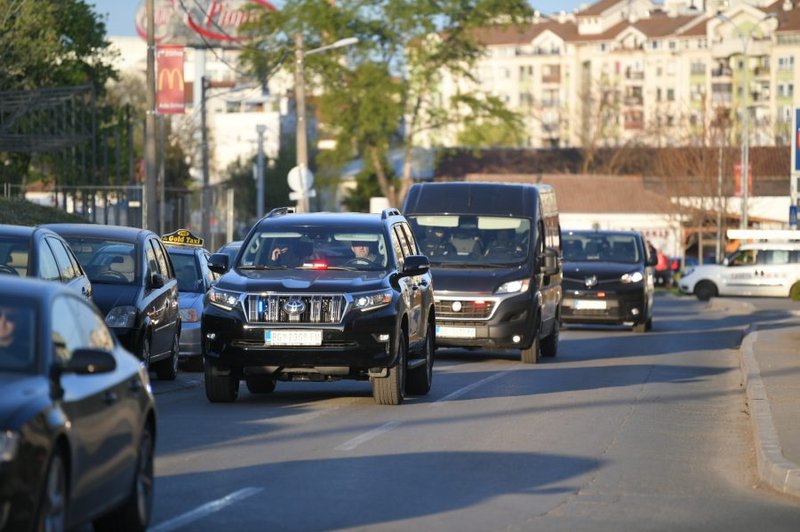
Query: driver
x=363, y=250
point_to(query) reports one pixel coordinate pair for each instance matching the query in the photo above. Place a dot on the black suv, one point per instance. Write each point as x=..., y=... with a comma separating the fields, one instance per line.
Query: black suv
x=321, y=297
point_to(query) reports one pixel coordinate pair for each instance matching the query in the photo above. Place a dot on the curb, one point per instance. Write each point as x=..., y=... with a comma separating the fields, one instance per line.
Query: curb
x=773, y=468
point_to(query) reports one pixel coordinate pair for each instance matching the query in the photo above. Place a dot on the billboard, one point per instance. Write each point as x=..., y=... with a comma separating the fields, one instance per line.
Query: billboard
x=169, y=79
x=198, y=23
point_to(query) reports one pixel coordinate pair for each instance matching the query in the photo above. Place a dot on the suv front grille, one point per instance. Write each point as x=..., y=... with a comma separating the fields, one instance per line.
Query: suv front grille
x=314, y=308
x=468, y=309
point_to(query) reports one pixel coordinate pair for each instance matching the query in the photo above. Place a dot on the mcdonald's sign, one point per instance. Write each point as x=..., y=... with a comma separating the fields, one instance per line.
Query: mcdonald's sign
x=169, y=81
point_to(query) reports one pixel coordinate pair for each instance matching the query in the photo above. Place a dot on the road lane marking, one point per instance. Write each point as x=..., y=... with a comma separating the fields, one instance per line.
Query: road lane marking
x=205, y=510
x=367, y=436
x=466, y=389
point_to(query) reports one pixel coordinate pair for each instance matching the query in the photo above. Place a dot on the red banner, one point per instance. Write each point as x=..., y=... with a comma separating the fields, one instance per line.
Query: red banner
x=737, y=179
x=169, y=80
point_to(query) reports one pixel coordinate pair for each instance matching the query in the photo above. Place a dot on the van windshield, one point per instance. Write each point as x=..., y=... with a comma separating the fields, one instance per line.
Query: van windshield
x=472, y=240
x=600, y=247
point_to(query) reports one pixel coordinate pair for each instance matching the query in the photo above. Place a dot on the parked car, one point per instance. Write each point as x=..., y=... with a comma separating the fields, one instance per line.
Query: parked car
x=321, y=296
x=190, y=260
x=770, y=268
x=608, y=279
x=231, y=249
x=77, y=417
x=494, y=250
x=135, y=288
x=41, y=253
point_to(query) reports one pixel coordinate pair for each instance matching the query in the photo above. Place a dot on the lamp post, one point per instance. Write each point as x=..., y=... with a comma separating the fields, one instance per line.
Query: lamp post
x=300, y=102
x=745, y=127
x=260, y=129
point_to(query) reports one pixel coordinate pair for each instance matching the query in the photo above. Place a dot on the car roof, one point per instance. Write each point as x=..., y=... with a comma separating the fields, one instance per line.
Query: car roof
x=345, y=221
x=771, y=245
x=600, y=232
x=183, y=250
x=12, y=286
x=120, y=232
x=22, y=230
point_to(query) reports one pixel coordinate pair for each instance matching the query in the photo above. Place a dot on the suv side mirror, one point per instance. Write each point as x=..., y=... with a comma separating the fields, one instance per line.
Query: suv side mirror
x=157, y=281
x=549, y=262
x=218, y=263
x=416, y=265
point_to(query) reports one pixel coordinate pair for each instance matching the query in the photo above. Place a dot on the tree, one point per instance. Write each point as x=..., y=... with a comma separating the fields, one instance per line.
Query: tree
x=385, y=95
x=490, y=134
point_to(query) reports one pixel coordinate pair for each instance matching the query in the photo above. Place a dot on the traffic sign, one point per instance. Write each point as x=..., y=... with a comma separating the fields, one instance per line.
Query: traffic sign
x=300, y=181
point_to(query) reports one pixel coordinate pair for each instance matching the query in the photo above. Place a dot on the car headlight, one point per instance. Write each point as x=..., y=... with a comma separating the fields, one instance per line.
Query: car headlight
x=226, y=299
x=632, y=277
x=514, y=287
x=9, y=443
x=372, y=300
x=189, y=315
x=124, y=316
x=688, y=271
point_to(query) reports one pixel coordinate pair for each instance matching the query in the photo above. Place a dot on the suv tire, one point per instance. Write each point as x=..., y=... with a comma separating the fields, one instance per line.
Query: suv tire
x=549, y=346
x=418, y=380
x=220, y=387
x=531, y=354
x=389, y=390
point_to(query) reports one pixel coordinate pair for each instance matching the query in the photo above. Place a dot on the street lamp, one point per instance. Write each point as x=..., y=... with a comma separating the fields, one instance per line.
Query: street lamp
x=260, y=129
x=300, y=103
x=745, y=133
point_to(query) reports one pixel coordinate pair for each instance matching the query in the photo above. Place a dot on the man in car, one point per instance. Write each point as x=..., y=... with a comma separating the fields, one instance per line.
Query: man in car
x=289, y=253
x=363, y=251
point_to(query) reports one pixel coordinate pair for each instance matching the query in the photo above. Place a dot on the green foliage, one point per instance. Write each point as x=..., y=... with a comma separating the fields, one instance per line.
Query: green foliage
x=794, y=292
x=490, y=134
x=22, y=212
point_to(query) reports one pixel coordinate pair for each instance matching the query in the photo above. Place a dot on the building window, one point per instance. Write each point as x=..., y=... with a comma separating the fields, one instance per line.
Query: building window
x=672, y=45
x=786, y=63
x=670, y=95
x=698, y=68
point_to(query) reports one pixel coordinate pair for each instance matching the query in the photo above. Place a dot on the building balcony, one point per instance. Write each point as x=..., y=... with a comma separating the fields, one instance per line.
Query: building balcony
x=637, y=101
x=634, y=74
x=551, y=103
x=552, y=78
x=722, y=72
x=634, y=124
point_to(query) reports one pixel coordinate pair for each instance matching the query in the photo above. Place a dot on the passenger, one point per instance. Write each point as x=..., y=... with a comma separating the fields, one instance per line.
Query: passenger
x=437, y=243
x=289, y=253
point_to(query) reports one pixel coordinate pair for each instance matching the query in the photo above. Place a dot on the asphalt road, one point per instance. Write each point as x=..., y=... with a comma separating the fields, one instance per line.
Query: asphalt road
x=621, y=431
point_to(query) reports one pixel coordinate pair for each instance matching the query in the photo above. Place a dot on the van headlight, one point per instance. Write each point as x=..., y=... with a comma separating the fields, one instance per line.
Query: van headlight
x=632, y=277
x=514, y=287
x=124, y=316
x=372, y=300
x=225, y=299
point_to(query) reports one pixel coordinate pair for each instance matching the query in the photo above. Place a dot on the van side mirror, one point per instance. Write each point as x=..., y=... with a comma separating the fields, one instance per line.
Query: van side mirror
x=218, y=263
x=549, y=262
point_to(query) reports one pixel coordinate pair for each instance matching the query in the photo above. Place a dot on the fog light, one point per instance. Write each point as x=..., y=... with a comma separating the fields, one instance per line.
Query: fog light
x=516, y=339
x=211, y=336
x=635, y=311
x=383, y=337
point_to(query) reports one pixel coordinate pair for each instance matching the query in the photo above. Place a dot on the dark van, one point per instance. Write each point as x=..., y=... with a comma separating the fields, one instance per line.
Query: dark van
x=495, y=255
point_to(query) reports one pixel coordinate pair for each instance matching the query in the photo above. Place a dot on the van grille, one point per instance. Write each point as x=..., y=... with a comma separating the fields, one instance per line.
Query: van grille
x=315, y=308
x=469, y=309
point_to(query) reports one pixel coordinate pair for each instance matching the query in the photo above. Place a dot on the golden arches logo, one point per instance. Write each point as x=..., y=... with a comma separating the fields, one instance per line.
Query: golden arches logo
x=173, y=76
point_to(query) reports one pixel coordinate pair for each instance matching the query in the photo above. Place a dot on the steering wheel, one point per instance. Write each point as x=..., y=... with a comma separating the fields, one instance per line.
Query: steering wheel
x=359, y=261
x=8, y=269
x=113, y=274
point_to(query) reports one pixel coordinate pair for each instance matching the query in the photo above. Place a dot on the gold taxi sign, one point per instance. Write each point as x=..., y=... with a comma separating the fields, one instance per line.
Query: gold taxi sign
x=182, y=236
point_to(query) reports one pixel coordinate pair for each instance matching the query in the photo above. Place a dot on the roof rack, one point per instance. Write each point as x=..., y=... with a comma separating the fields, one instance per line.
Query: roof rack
x=771, y=235
x=280, y=211
x=391, y=211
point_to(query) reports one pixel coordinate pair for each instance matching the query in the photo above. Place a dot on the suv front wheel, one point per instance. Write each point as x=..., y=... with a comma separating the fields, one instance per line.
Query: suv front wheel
x=419, y=378
x=390, y=390
x=222, y=384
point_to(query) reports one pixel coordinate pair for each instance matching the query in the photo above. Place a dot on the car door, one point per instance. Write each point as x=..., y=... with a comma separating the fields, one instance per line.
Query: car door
x=166, y=298
x=98, y=427
x=739, y=276
x=409, y=287
x=773, y=272
x=424, y=290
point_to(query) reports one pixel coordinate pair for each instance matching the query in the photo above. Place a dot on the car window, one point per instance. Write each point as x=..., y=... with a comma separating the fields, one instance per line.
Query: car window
x=412, y=242
x=62, y=259
x=14, y=255
x=94, y=333
x=67, y=335
x=774, y=256
x=18, y=320
x=187, y=272
x=106, y=261
x=745, y=257
x=163, y=261
x=48, y=269
x=398, y=247
x=152, y=262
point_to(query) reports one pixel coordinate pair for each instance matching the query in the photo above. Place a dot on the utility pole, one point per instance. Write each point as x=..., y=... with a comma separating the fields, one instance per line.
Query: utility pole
x=206, y=214
x=149, y=200
x=300, y=103
x=260, y=129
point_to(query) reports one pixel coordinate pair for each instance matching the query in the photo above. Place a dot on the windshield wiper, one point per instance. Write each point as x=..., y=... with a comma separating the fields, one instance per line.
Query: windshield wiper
x=261, y=267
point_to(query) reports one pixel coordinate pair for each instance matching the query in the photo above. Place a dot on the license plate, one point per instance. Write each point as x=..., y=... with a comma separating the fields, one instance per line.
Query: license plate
x=590, y=305
x=292, y=338
x=455, y=332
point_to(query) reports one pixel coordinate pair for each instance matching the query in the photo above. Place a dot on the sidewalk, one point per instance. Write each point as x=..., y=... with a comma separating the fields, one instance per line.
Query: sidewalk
x=770, y=364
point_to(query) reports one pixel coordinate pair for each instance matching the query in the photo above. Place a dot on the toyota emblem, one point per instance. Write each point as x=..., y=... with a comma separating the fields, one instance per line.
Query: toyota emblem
x=590, y=281
x=294, y=307
x=456, y=306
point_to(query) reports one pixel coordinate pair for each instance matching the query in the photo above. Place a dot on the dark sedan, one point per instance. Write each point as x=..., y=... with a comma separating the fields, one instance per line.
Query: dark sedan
x=135, y=288
x=41, y=253
x=608, y=279
x=77, y=417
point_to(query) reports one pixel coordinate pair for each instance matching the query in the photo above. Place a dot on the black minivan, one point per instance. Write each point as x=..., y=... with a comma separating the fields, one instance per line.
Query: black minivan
x=495, y=255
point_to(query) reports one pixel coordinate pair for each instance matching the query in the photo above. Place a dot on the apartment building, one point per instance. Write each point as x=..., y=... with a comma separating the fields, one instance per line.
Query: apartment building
x=622, y=71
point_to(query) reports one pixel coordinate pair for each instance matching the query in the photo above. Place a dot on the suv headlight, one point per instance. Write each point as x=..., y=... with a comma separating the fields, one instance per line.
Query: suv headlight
x=9, y=442
x=226, y=299
x=121, y=317
x=372, y=300
x=514, y=287
x=632, y=277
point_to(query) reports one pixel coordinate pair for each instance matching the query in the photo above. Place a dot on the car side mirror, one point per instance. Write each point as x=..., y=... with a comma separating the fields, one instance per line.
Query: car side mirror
x=157, y=281
x=218, y=263
x=416, y=265
x=726, y=261
x=652, y=260
x=549, y=262
x=89, y=362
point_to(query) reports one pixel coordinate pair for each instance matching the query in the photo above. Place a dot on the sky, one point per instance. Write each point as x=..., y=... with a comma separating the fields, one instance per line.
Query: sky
x=121, y=13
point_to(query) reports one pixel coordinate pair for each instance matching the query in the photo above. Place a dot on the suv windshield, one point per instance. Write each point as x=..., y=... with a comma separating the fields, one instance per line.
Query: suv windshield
x=600, y=248
x=472, y=240
x=314, y=248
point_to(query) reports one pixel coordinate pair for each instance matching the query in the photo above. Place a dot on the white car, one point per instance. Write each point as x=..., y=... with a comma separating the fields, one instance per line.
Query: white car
x=760, y=269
